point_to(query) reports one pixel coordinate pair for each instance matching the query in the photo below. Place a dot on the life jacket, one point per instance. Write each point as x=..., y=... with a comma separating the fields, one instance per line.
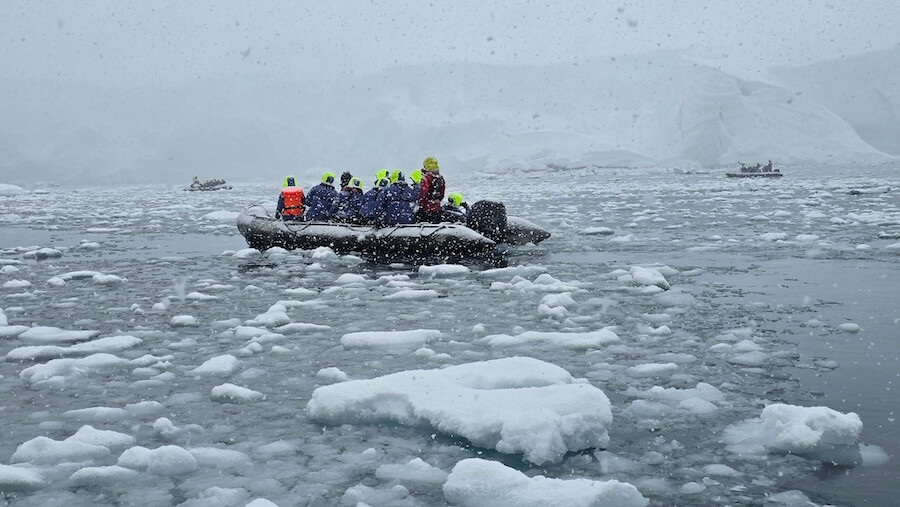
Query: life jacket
x=436, y=188
x=293, y=201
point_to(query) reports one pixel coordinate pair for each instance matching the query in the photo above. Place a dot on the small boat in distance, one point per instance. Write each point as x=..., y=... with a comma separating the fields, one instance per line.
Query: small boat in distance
x=208, y=185
x=756, y=171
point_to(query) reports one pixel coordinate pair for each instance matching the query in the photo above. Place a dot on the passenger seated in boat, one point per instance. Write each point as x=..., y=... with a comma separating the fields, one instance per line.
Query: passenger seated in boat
x=345, y=207
x=367, y=208
x=395, y=204
x=290, y=201
x=320, y=198
x=431, y=192
x=345, y=179
x=415, y=178
x=455, y=210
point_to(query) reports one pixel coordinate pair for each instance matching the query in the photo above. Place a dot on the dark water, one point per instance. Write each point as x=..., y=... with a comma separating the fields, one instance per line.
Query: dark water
x=780, y=258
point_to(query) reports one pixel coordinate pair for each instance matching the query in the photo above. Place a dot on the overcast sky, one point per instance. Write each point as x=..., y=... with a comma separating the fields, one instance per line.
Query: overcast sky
x=147, y=42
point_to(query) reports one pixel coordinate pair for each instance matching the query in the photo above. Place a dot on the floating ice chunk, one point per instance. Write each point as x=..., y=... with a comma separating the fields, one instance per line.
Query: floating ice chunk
x=246, y=253
x=299, y=292
x=506, y=273
x=3, y=319
x=893, y=246
x=675, y=298
x=46, y=451
x=791, y=498
x=554, y=300
x=261, y=502
x=413, y=338
x=755, y=358
x=588, y=340
x=144, y=408
x=773, y=236
x=647, y=276
x=603, y=231
x=703, y=391
x=514, y=405
x=332, y=374
x=103, y=476
x=12, y=331
x=166, y=460
x=219, y=458
x=218, y=366
x=98, y=414
x=416, y=471
x=806, y=238
x=692, y=488
x=361, y=495
x=323, y=253
x=235, y=394
x=16, y=284
x=248, y=332
x=441, y=270
x=797, y=430
x=107, y=279
x=300, y=327
x=43, y=253
x=110, y=439
x=8, y=190
x=199, y=296
x=849, y=327
x=275, y=316
x=477, y=482
x=108, y=344
x=18, y=478
x=628, y=238
x=720, y=470
x=350, y=279
x=697, y=406
x=62, y=370
x=412, y=295
x=44, y=334
x=184, y=321
x=652, y=370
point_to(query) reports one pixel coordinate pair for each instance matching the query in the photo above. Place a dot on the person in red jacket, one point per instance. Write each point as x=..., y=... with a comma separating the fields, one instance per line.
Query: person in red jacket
x=290, y=202
x=431, y=192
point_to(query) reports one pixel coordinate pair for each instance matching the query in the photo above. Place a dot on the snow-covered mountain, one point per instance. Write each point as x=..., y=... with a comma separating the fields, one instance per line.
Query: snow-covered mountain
x=639, y=110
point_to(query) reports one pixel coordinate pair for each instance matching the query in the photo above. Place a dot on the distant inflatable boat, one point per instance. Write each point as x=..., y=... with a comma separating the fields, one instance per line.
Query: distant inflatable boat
x=756, y=171
x=207, y=186
x=481, y=238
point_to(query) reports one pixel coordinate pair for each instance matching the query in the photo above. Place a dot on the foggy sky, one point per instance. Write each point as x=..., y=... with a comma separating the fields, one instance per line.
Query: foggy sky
x=128, y=43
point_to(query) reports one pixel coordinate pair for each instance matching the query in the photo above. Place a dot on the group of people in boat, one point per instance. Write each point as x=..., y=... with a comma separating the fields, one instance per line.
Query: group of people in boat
x=758, y=168
x=391, y=200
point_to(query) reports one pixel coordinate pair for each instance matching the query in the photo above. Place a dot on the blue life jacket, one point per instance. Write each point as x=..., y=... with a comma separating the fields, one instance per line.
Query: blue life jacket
x=395, y=205
x=454, y=214
x=345, y=207
x=319, y=201
x=368, y=208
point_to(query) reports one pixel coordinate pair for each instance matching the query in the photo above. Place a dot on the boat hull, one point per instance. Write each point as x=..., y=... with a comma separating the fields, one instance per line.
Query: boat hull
x=754, y=175
x=402, y=242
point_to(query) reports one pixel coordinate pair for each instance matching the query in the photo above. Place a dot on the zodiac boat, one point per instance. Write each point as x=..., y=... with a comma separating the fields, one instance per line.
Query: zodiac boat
x=486, y=229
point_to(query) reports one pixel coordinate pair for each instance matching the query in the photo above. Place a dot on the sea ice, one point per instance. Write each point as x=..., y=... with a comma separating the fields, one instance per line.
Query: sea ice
x=513, y=405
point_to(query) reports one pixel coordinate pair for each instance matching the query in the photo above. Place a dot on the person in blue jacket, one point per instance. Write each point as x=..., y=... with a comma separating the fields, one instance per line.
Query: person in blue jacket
x=345, y=207
x=320, y=198
x=368, y=210
x=455, y=211
x=395, y=205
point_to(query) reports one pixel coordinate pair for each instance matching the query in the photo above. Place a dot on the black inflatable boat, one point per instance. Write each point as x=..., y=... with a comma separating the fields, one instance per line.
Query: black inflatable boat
x=486, y=228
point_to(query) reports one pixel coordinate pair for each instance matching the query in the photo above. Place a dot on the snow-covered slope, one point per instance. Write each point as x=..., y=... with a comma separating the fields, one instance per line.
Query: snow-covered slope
x=863, y=90
x=648, y=109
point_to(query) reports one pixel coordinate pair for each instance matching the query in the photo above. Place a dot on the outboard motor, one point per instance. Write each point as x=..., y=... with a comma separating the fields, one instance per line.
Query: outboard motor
x=489, y=219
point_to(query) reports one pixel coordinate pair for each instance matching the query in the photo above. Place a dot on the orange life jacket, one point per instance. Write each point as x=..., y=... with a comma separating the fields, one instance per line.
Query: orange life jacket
x=293, y=201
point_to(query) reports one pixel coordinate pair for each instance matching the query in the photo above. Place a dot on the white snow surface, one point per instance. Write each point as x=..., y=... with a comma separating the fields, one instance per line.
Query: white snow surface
x=798, y=430
x=514, y=405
